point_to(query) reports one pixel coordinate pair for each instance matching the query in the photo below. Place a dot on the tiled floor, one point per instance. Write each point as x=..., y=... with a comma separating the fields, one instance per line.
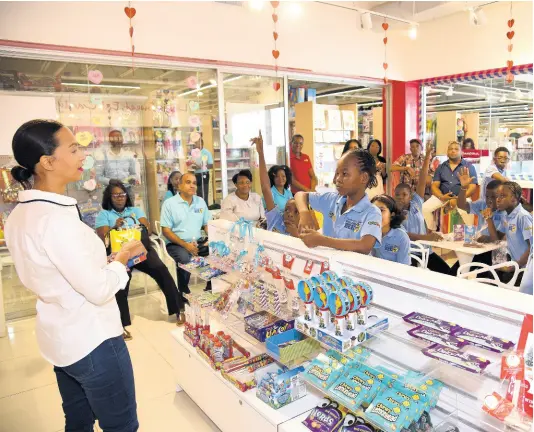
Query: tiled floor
x=30, y=400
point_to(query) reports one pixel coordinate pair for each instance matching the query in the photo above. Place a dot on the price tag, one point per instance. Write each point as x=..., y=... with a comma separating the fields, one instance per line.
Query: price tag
x=325, y=266
x=308, y=267
x=288, y=261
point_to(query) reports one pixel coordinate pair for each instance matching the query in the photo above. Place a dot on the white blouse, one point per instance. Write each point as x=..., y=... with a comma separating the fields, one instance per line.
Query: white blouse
x=64, y=262
x=233, y=207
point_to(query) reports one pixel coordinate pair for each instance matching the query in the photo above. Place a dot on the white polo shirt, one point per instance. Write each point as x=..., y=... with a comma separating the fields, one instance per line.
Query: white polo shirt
x=64, y=263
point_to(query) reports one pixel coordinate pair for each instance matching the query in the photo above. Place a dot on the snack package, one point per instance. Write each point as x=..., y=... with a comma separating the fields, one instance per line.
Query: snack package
x=428, y=321
x=389, y=411
x=458, y=233
x=497, y=406
x=322, y=374
x=456, y=358
x=325, y=417
x=470, y=232
x=434, y=336
x=483, y=340
x=347, y=388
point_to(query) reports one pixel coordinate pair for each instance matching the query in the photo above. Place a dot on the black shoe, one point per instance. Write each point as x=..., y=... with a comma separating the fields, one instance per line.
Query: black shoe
x=207, y=289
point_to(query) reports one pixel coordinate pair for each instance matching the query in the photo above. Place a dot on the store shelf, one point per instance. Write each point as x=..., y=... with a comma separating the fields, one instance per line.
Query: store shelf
x=198, y=272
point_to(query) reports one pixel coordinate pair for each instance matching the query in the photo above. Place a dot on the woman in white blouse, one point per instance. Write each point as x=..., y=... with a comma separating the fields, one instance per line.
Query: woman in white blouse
x=64, y=263
x=242, y=203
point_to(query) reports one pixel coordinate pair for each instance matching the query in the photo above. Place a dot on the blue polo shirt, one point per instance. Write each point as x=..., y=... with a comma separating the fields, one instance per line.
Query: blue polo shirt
x=275, y=221
x=109, y=217
x=448, y=179
x=477, y=207
x=518, y=229
x=415, y=222
x=526, y=283
x=203, y=161
x=183, y=219
x=167, y=195
x=488, y=176
x=280, y=200
x=360, y=220
x=395, y=247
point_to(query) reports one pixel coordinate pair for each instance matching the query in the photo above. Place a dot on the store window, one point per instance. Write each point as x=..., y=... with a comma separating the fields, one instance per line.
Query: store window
x=251, y=104
x=483, y=114
x=328, y=114
x=136, y=125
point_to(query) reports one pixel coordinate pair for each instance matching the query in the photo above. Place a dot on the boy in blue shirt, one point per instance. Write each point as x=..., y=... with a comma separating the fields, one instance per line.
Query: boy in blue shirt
x=414, y=223
x=281, y=221
x=182, y=218
x=395, y=245
x=350, y=221
x=516, y=226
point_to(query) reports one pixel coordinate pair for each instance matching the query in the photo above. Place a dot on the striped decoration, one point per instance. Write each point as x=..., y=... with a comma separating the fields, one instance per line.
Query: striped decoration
x=480, y=75
x=421, y=122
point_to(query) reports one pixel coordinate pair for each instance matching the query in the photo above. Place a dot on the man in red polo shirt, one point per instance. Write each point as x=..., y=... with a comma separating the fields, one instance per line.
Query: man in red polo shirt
x=304, y=178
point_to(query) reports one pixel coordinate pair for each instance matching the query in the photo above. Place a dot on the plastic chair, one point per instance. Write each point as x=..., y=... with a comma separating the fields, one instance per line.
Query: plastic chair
x=472, y=269
x=419, y=253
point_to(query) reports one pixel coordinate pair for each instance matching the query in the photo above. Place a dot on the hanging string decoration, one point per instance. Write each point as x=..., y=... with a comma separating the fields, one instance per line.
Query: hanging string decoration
x=510, y=35
x=385, y=65
x=275, y=52
x=130, y=13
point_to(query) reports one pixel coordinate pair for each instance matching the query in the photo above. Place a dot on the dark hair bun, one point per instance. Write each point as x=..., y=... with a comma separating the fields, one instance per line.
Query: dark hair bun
x=22, y=175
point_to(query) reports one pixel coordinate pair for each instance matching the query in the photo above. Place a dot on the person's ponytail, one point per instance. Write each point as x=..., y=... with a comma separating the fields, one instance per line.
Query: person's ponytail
x=31, y=141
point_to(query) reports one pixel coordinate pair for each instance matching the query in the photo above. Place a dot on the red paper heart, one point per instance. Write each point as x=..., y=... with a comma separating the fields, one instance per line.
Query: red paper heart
x=276, y=86
x=509, y=78
x=386, y=80
x=385, y=40
x=509, y=63
x=275, y=36
x=276, y=54
x=275, y=4
x=275, y=18
x=510, y=34
x=385, y=26
x=510, y=47
x=385, y=65
x=511, y=22
x=131, y=31
x=130, y=12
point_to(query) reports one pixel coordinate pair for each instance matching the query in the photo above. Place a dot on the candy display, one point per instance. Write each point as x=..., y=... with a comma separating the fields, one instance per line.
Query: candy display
x=291, y=346
x=241, y=373
x=482, y=340
x=220, y=347
x=428, y=321
x=335, y=311
x=433, y=336
x=263, y=325
x=279, y=387
x=202, y=266
x=456, y=358
x=329, y=416
x=197, y=316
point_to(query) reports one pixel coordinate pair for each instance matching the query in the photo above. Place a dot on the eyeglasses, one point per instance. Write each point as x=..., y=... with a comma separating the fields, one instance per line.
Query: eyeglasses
x=119, y=195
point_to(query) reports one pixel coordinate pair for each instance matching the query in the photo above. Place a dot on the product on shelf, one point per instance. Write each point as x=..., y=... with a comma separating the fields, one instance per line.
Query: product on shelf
x=291, y=346
x=482, y=340
x=263, y=325
x=219, y=348
x=433, y=336
x=338, y=315
x=197, y=316
x=241, y=373
x=456, y=358
x=279, y=387
x=428, y=321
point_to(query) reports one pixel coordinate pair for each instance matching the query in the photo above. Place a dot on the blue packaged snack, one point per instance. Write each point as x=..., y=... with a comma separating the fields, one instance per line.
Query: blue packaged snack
x=323, y=373
x=368, y=383
x=376, y=375
x=393, y=377
x=389, y=411
x=346, y=389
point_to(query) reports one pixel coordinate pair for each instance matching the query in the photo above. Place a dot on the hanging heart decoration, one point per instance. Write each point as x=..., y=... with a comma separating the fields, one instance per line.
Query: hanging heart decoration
x=95, y=76
x=275, y=51
x=385, y=65
x=130, y=13
x=510, y=35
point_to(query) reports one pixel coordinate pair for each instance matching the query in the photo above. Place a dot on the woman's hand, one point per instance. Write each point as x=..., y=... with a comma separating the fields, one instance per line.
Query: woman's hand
x=446, y=197
x=192, y=248
x=487, y=213
x=129, y=250
x=118, y=223
x=306, y=222
x=311, y=238
x=258, y=142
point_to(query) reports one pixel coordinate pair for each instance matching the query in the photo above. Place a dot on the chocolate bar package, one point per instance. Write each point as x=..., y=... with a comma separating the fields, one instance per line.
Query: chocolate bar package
x=428, y=321
x=433, y=336
x=482, y=340
x=456, y=358
x=326, y=417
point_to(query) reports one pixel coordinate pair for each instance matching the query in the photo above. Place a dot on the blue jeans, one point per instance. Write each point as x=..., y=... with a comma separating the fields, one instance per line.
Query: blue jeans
x=99, y=386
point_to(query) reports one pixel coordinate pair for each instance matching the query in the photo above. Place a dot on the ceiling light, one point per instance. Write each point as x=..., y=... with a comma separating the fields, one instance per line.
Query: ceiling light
x=101, y=85
x=294, y=8
x=256, y=4
x=200, y=93
x=502, y=99
x=518, y=94
x=477, y=17
x=366, y=22
x=412, y=33
x=449, y=92
x=213, y=82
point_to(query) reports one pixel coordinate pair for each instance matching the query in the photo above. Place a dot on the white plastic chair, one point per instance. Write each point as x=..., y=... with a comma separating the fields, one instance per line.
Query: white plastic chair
x=472, y=269
x=419, y=253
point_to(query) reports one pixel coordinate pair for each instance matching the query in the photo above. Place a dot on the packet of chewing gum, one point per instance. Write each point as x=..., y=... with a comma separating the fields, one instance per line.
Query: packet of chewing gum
x=428, y=321
x=482, y=340
x=434, y=336
x=456, y=358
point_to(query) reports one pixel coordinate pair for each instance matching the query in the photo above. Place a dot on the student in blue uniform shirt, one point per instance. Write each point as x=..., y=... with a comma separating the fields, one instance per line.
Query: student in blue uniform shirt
x=281, y=221
x=350, y=221
x=395, y=245
x=414, y=224
x=280, y=177
x=516, y=226
x=172, y=184
x=526, y=283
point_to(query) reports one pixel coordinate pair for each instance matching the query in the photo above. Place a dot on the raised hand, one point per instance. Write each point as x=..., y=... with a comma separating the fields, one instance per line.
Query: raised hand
x=487, y=213
x=464, y=177
x=258, y=142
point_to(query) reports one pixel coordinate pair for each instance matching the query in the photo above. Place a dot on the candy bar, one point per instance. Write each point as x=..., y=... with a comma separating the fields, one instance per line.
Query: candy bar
x=457, y=358
x=482, y=340
x=435, y=336
x=428, y=321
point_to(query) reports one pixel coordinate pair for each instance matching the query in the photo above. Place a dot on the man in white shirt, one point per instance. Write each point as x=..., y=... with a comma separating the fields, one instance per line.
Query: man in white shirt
x=497, y=170
x=116, y=163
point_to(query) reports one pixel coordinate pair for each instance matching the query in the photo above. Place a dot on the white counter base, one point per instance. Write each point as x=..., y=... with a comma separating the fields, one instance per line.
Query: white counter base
x=230, y=409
